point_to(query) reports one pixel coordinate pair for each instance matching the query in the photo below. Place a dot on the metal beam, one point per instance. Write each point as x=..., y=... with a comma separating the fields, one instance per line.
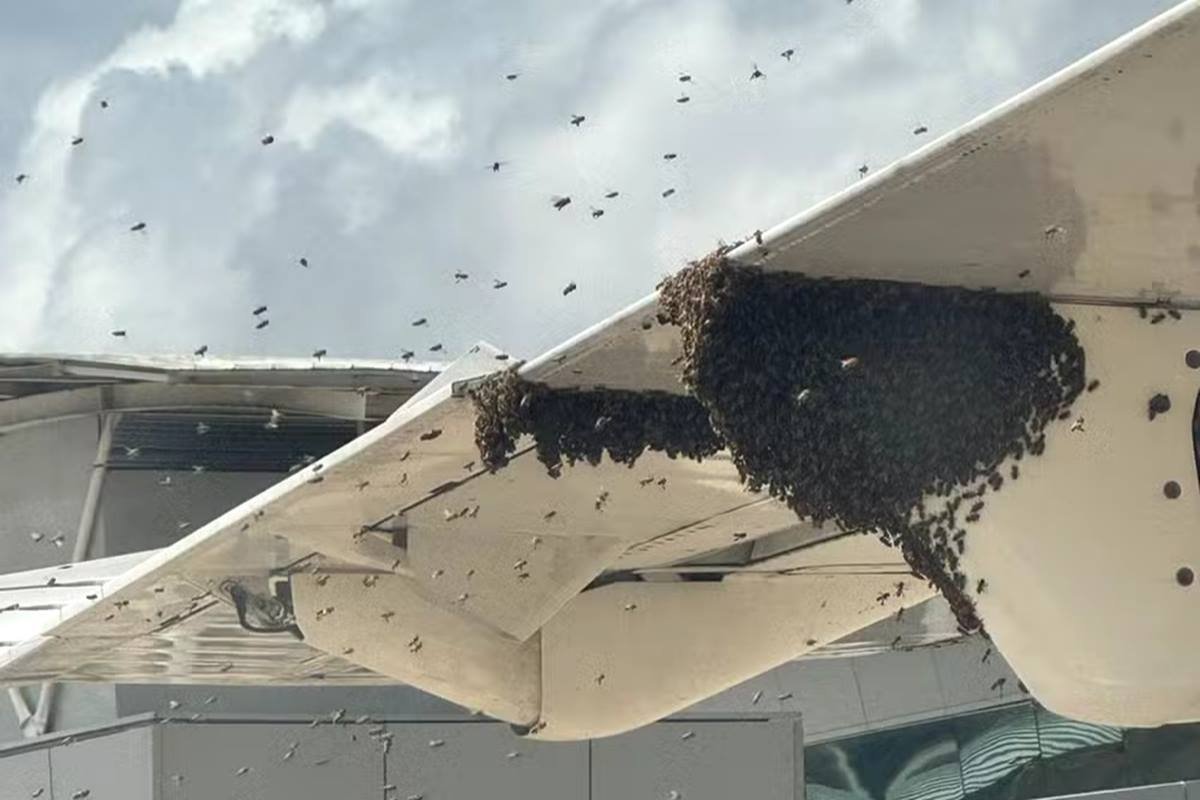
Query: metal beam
x=50, y=407
x=20, y=707
x=40, y=720
x=91, y=501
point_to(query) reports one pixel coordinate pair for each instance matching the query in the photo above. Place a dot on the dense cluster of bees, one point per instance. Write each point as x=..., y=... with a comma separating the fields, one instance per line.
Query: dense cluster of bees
x=569, y=426
x=872, y=405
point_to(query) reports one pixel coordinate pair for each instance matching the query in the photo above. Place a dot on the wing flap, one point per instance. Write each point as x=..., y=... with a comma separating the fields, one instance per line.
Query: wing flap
x=389, y=625
x=627, y=653
x=512, y=582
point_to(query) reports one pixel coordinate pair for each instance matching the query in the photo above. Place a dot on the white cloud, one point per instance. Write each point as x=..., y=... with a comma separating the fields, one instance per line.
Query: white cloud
x=995, y=53
x=386, y=115
x=206, y=37
x=381, y=107
x=213, y=36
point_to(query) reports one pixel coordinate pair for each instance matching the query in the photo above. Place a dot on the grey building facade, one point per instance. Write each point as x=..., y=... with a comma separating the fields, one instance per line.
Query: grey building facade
x=102, y=458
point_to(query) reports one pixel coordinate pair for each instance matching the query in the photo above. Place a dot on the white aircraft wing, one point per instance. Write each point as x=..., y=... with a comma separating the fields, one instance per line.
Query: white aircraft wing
x=577, y=606
x=183, y=635
x=1085, y=188
x=402, y=558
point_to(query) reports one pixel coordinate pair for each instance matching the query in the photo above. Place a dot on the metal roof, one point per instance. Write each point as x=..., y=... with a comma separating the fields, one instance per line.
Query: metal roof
x=28, y=373
x=35, y=389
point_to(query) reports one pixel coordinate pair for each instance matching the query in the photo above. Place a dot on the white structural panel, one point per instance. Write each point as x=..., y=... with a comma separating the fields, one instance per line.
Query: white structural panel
x=640, y=651
x=423, y=644
x=1081, y=554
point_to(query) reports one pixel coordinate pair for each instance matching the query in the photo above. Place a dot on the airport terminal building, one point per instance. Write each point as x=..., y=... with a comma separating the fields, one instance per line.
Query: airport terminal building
x=109, y=458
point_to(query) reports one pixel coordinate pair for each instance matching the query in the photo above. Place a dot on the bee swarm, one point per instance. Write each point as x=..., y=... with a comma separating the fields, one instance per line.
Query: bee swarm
x=878, y=406
x=570, y=426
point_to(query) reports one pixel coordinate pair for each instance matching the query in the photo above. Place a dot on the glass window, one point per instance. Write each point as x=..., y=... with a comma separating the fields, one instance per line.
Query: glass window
x=225, y=442
x=919, y=761
x=995, y=745
x=1017, y=752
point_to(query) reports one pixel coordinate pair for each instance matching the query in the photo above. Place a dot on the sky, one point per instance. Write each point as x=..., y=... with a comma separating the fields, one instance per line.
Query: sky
x=386, y=118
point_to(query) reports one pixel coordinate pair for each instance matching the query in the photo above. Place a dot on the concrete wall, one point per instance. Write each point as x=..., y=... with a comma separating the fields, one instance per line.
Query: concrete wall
x=26, y=774
x=469, y=760
x=111, y=765
x=699, y=761
x=199, y=762
x=844, y=696
x=273, y=759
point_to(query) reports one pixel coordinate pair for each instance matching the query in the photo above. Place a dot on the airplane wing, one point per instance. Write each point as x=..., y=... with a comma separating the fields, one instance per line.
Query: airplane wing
x=204, y=638
x=610, y=596
x=398, y=556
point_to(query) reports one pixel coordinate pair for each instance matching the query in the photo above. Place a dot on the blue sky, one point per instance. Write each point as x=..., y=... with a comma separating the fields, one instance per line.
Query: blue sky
x=386, y=116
